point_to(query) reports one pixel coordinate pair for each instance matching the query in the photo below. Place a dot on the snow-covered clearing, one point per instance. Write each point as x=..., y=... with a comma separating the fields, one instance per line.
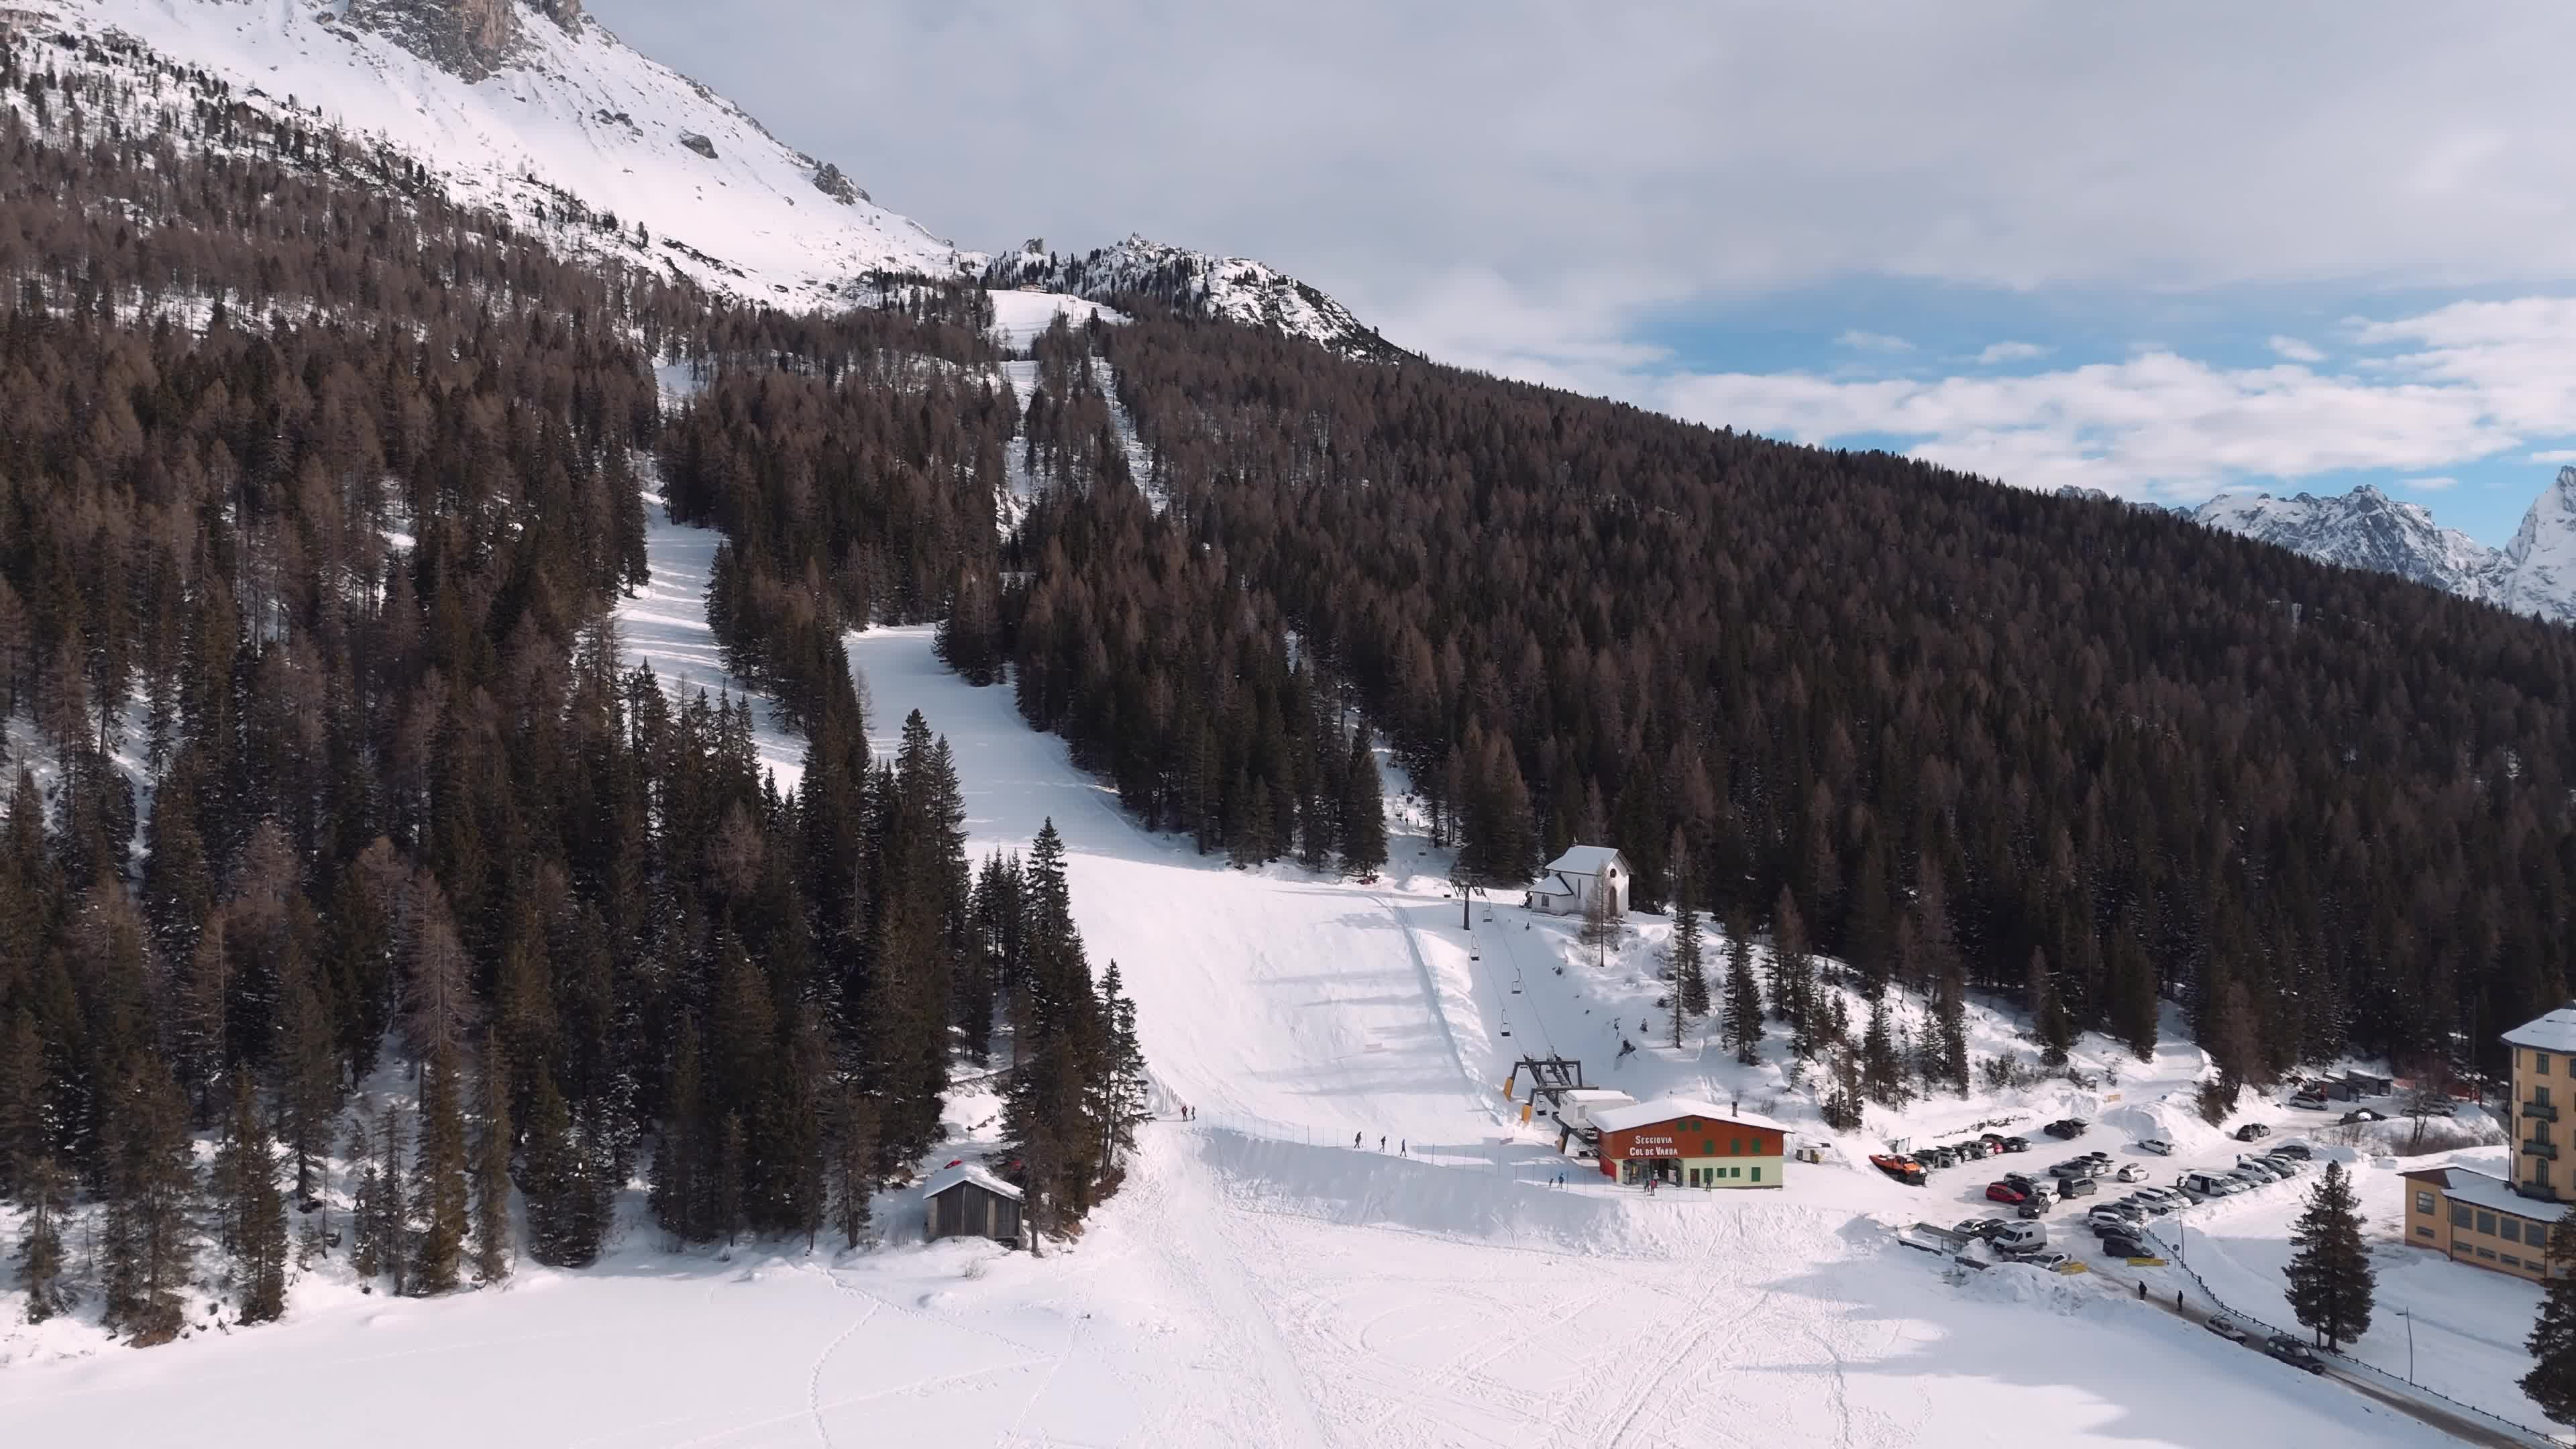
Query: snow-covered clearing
x=663, y=627
x=2467, y=1325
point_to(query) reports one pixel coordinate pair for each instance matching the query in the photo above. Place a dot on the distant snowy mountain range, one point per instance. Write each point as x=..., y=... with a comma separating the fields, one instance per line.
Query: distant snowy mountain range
x=2534, y=574
x=534, y=108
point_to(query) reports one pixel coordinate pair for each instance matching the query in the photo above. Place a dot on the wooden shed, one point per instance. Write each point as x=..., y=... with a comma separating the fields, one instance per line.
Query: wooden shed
x=964, y=1201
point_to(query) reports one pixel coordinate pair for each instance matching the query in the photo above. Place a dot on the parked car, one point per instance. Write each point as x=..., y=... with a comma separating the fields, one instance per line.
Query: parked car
x=2284, y=1164
x=2053, y=1262
x=2363, y=1114
x=2064, y=1170
x=2126, y=1245
x=2295, y=1151
x=1979, y=1227
x=2067, y=1127
x=2131, y=1172
x=2006, y=1192
x=2226, y=1328
x=2255, y=1132
x=2096, y=1155
x=1994, y=1140
x=2156, y=1145
x=2016, y=1144
x=1904, y=1169
x=2080, y=1187
x=2257, y=1169
x=1933, y=1157
x=2294, y=1353
x=2306, y=1103
x=2036, y=1207
x=2021, y=1238
x=2103, y=1220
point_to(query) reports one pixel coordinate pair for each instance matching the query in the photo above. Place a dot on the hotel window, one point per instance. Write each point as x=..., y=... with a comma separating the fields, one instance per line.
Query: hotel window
x=2488, y=1253
x=2512, y=1230
x=2459, y=1215
x=2486, y=1224
x=2423, y=1202
x=2423, y=1232
x=2510, y=1261
x=1708, y=1147
x=1757, y=1174
x=2540, y=1063
x=1735, y=1146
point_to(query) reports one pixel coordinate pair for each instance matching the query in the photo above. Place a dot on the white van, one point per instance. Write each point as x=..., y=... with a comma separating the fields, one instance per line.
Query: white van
x=2210, y=1184
x=2020, y=1237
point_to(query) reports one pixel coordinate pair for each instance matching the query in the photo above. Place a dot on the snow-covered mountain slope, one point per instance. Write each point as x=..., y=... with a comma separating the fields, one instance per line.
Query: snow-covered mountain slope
x=535, y=109
x=2535, y=574
x=2363, y=529
x=1233, y=289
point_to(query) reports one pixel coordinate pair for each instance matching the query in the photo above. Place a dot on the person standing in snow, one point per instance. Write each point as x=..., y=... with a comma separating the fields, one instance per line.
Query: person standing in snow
x=1355, y=1139
x=1381, y=1142
x=1403, y=1148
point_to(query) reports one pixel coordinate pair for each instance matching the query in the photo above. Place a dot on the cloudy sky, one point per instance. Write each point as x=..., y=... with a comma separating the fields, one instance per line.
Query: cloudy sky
x=2164, y=250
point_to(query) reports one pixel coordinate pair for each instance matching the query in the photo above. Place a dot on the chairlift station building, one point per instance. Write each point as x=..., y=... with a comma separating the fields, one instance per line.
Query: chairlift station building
x=1685, y=1142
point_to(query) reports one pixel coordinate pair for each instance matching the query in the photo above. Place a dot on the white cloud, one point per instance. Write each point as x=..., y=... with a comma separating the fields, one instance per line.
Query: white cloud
x=1690, y=146
x=2296, y=350
x=2435, y=484
x=1861, y=341
x=2555, y=455
x=1996, y=352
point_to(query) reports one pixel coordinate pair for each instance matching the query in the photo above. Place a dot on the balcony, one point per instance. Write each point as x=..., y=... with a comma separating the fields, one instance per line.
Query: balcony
x=2544, y=1150
x=2538, y=1111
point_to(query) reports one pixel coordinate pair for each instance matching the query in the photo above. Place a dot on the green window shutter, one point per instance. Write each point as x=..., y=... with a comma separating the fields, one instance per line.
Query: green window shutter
x=1757, y=1174
x=1708, y=1148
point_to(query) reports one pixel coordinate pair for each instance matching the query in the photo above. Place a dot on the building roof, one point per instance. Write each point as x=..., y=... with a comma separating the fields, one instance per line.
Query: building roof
x=1669, y=1109
x=2554, y=1032
x=2486, y=1190
x=1584, y=859
x=1594, y=1094
x=949, y=1177
x=1549, y=885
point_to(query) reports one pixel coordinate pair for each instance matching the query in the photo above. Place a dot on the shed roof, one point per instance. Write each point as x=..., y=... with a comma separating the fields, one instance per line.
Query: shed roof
x=1671, y=1109
x=1594, y=1094
x=2486, y=1190
x=964, y=1172
x=1584, y=859
x=1551, y=885
x=2552, y=1032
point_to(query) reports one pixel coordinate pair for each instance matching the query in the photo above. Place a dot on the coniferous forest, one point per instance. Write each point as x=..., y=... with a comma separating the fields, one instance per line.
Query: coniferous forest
x=2088, y=757
x=338, y=834
x=339, y=837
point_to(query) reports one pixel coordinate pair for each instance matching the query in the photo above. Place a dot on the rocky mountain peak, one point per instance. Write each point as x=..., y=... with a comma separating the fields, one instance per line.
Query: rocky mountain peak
x=470, y=38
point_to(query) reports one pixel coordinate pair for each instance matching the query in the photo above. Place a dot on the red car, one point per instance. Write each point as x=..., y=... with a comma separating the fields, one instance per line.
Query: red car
x=2005, y=1192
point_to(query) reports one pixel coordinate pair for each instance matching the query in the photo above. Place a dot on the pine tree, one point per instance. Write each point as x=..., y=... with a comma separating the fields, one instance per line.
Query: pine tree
x=1743, y=996
x=366, y=1204
x=567, y=1209
x=2331, y=1280
x=46, y=1195
x=441, y=1191
x=492, y=1175
x=150, y=1242
x=1689, y=992
x=392, y=1216
x=1950, y=1034
x=2552, y=1344
x=252, y=1207
x=1882, y=1070
x=853, y=1161
x=306, y=1068
x=2047, y=1011
x=1363, y=810
x=1603, y=924
x=1788, y=957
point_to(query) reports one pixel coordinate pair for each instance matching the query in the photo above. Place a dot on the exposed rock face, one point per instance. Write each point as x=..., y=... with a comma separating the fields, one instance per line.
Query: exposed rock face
x=566, y=13
x=471, y=38
x=699, y=144
x=829, y=181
